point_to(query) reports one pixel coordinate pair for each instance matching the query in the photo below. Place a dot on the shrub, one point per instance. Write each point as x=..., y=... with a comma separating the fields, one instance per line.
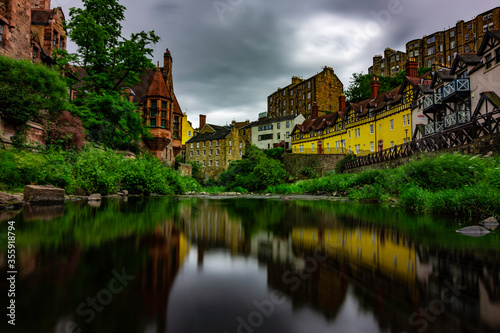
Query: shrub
x=340, y=166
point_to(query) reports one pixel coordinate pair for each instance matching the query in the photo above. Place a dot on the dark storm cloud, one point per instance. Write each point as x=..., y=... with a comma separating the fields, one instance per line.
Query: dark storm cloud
x=229, y=55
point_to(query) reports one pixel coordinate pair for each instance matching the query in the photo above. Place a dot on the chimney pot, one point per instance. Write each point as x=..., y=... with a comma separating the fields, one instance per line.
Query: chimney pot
x=375, y=87
x=203, y=120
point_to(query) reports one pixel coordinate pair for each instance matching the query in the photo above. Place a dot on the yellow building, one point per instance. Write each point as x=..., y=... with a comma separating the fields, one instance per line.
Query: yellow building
x=381, y=122
x=187, y=129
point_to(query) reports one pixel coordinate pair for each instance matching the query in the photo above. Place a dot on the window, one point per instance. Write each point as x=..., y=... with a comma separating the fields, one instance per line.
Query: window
x=416, y=53
x=498, y=55
x=1, y=31
x=408, y=120
x=197, y=153
x=54, y=39
x=490, y=15
x=489, y=60
x=372, y=146
x=153, y=104
x=177, y=127
x=191, y=153
x=431, y=50
x=490, y=26
x=163, y=114
x=441, y=47
x=392, y=144
x=34, y=49
x=204, y=144
x=327, y=147
x=371, y=129
x=452, y=33
x=229, y=143
x=452, y=44
x=191, y=146
x=485, y=28
x=217, y=143
x=163, y=104
x=278, y=125
x=309, y=84
x=349, y=133
x=163, y=123
x=404, y=120
x=211, y=152
x=397, y=57
x=240, y=145
x=152, y=113
x=469, y=26
x=210, y=143
x=152, y=122
x=229, y=152
x=204, y=153
x=210, y=163
x=279, y=136
x=217, y=151
x=312, y=146
x=287, y=124
x=467, y=49
x=392, y=124
x=393, y=69
x=197, y=145
x=485, y=17
x=466, y=36
x=217, y=163
x=411, y=54
x=308, y=95
x=203, y=163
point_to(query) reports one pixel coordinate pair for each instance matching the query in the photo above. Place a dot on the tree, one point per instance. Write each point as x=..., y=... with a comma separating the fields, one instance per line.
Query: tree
x=25, y=89
x=359, y=86
x=105, y=63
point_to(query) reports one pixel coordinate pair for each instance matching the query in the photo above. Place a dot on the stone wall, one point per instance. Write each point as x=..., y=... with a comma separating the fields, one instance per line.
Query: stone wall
x=481, y=146
x=321, y=163
x=17, y=29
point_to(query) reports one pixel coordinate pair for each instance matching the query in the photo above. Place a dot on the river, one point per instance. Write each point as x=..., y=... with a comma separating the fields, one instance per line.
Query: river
x=223, y=265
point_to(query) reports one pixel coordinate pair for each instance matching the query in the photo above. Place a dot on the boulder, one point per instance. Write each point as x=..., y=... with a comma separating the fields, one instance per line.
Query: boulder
x=475, y=231
x=95, y=197
x=9, y=199
x=43, y=195
x=490, y=223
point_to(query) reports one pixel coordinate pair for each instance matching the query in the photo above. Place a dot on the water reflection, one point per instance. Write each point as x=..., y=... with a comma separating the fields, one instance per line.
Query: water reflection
x=201, y=265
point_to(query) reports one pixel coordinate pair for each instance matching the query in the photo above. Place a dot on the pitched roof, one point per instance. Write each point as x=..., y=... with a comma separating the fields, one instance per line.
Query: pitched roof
x=158, y=86
x=489, y=34
x=220, y=132
x=470, y=59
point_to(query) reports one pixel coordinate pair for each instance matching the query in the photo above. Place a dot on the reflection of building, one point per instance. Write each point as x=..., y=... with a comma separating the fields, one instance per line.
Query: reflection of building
x=384, y=250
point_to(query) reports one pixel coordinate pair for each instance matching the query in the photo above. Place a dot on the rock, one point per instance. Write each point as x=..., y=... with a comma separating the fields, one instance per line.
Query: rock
x=475, y=231
x=6, y=198
x=285, y=198
x=490, y=223
x=124, y=192
x=43, y=195
x=268, y=194
x=334, y=194
x=95, y=197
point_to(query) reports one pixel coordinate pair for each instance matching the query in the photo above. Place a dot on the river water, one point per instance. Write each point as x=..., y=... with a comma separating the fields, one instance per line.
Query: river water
x=183, y=265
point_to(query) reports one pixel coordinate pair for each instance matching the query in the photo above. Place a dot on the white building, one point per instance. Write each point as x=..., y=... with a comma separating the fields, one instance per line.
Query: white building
x=275, y=132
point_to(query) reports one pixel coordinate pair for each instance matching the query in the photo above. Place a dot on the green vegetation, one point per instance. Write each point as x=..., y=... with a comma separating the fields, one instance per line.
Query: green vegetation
x=255, y=172
x=107, y=63
x=359, y=86
x=450, y=184
x=91, y=171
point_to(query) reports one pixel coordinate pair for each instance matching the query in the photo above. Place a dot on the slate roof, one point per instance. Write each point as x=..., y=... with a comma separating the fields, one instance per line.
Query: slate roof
x=220, y=132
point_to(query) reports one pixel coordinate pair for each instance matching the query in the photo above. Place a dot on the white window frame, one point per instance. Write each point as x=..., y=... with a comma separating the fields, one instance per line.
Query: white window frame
x=392, y=124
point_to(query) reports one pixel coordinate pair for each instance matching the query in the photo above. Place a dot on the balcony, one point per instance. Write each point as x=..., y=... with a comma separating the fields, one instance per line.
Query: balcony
x=434, y=127
x=432, y=101
x=457, y=86
x=458, y=118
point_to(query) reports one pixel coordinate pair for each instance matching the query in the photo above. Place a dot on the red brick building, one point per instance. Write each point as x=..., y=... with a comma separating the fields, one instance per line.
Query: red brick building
x=30, y=29
x=160, y=110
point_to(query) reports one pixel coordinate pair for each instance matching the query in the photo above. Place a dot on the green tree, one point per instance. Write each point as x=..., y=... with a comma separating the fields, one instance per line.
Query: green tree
x=26, y=89
x=105, y=63
x=359, y=85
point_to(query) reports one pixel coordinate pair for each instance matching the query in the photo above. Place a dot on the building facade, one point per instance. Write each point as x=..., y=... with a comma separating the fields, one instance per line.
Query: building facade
x=215, y=147
x=438, y=50
x=298, y=97
x=390, y=64
x=160, y=110
x=30, y=29
x=380, y=122
x=187, y=130
x=274, y=132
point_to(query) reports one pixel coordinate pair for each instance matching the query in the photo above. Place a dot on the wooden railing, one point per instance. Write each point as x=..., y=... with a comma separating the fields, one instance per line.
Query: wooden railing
x=454, y=86
x=480, y=126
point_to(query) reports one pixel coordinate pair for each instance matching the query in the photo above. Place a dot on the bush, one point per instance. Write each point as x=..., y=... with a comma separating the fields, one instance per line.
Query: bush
x=340, y=166
x=66, y=132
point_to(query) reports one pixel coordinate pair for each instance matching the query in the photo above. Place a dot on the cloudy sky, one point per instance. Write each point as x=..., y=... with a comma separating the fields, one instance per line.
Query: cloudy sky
x=229, y=55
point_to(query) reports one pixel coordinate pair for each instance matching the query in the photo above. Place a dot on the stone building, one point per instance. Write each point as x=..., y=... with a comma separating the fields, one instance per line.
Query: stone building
x=439, y=49
x=160, y=110
x=298, y=97
x=390, y=64
x=215, y=147
x=30, y=29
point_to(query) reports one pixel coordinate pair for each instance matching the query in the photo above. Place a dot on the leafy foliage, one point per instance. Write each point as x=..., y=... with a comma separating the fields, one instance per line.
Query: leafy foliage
x=25, y=89
x=106, y=62
x=255, y=172
x=66, y=132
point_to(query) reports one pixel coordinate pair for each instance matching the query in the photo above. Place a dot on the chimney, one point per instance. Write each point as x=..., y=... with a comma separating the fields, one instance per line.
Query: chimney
x=203, y=121
x=375, y=87
x=412, y=68
x=315, y=109
x=341, y=102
